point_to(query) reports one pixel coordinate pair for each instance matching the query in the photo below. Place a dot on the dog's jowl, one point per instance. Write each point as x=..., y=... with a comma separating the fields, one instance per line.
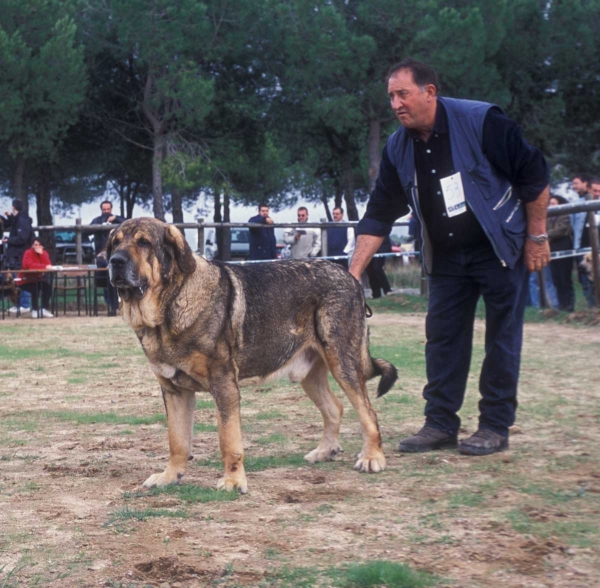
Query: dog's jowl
x=213, y=327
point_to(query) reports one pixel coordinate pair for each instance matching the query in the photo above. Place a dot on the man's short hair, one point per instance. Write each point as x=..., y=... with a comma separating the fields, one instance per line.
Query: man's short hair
x=18, y=204
x=595, y=180
x=423, y=74
x=338, y=208
x=39, y=240
x=105, y=202
x=262, y=205
x=585, y=178
x=303, y=208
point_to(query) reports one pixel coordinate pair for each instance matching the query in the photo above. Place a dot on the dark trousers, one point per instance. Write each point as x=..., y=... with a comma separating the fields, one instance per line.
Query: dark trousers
x=378, y=281
x=587, y=285
x=562, y=277
x=34, y=289
x=458, y=280
x=111, y=299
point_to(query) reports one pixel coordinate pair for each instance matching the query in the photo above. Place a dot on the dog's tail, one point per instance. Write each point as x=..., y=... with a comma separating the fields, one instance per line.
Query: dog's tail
x=388, y=373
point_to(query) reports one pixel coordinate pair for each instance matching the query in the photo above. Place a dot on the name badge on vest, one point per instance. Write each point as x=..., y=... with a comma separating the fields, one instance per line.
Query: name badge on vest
x=454, y=195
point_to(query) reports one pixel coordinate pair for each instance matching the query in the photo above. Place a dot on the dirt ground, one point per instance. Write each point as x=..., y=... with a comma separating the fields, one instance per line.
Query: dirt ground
x=81, y=428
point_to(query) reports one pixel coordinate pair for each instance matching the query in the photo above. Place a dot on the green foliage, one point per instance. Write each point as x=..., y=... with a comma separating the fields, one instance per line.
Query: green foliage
x=43, y=76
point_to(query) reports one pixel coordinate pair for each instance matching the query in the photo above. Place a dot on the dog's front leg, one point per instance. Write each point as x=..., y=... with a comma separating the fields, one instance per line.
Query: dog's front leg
x=180, y=405
x=224, y=389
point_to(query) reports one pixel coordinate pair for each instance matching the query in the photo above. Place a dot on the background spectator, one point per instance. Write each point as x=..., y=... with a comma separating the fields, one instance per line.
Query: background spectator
x=262, y=240
x=378, y=281
x=560, y=234
x=37, y=258
x=304, y=242
x=107, y=217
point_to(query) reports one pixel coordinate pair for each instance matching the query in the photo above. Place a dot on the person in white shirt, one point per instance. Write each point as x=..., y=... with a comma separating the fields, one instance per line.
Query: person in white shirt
x=303, y=242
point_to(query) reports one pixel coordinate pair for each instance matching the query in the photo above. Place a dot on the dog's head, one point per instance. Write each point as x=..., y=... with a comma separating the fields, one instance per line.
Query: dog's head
x=586, y=264
x=146, y=255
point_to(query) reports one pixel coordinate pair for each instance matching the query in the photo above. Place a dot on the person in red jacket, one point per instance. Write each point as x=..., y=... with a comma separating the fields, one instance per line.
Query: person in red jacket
x=37, y=258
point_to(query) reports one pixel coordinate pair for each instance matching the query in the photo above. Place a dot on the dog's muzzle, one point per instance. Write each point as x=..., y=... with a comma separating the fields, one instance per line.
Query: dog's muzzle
x=124, y=278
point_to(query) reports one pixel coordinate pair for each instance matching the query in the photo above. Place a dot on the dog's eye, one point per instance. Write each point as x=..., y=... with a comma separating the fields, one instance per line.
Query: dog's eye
x=142, y=242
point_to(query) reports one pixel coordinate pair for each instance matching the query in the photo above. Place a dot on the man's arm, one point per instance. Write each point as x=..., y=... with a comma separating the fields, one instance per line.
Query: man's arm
x=316, y=243
x=366, y=247
x=537, y=256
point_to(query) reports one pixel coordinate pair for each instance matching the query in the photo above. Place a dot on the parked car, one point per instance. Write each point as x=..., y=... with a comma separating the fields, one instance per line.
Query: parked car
x=240, y=244
x=66, y=247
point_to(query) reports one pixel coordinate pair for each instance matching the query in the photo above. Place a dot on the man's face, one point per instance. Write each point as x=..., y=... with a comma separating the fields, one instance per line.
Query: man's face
x=302, y=216
x=414, y=106
x=595, y=190
x=106, y=208
x=264, y=211
x=338, y=215
x=580, y=186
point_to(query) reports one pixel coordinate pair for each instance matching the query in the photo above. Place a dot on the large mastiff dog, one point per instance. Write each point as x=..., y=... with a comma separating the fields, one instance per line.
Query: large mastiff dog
x=212, y=327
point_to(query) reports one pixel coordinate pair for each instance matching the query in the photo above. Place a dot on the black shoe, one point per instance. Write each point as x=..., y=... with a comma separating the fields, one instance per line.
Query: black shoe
x=483, y=442
x=428, y=439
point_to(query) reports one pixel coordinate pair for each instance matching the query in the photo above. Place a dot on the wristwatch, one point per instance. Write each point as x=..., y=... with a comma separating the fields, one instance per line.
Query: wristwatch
x=539, y=239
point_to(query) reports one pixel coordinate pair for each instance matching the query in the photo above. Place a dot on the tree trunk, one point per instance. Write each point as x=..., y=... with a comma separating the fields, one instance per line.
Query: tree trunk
x=374, y=152
x=177, y=206
x=18, y=181
x=44, y=212
x=226, y=238
x=348, y=186
x=157, y=159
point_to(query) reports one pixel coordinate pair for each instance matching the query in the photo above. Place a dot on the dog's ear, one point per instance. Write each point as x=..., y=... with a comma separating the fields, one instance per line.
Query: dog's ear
x=182, y=252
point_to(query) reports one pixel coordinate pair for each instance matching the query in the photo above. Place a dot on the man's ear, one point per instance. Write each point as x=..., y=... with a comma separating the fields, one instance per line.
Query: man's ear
x=182, y=252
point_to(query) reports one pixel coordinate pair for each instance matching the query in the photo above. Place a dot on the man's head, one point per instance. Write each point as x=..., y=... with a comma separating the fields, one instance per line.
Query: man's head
x=338, y=214
x=18, y=205
x=106, y=207
x=263, y=210
x=580, y=184
x=412, y=89
x=302, y=214
x=595, y=188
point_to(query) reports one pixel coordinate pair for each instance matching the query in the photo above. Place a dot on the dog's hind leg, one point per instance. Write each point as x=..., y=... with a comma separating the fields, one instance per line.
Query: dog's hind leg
x=226, y=393
x=180, y=405
x=317, y=388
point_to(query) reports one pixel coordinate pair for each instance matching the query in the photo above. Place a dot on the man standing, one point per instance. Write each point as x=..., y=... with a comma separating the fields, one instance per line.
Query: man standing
x=304, y=242
x=262, y=240
x=479, y=193
x=338, y=238
x=106, y=218
x=581, y=185
x=18, y=241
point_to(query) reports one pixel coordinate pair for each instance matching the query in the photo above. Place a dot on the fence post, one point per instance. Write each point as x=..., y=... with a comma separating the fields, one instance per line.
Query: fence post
x=593, y=232
x=201, y=239
x=544, y=300
x=324, y=244
x=78, y=242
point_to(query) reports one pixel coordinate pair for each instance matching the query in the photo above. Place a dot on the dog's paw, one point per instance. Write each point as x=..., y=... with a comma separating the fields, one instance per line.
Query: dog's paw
x=326, y=453
x=231, y=483
x=370, y=464
x=163, y=479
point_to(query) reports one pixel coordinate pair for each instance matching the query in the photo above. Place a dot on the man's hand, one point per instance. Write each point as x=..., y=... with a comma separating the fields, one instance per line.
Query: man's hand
x=537, y=256
x=269, y=220
x=110, y=219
